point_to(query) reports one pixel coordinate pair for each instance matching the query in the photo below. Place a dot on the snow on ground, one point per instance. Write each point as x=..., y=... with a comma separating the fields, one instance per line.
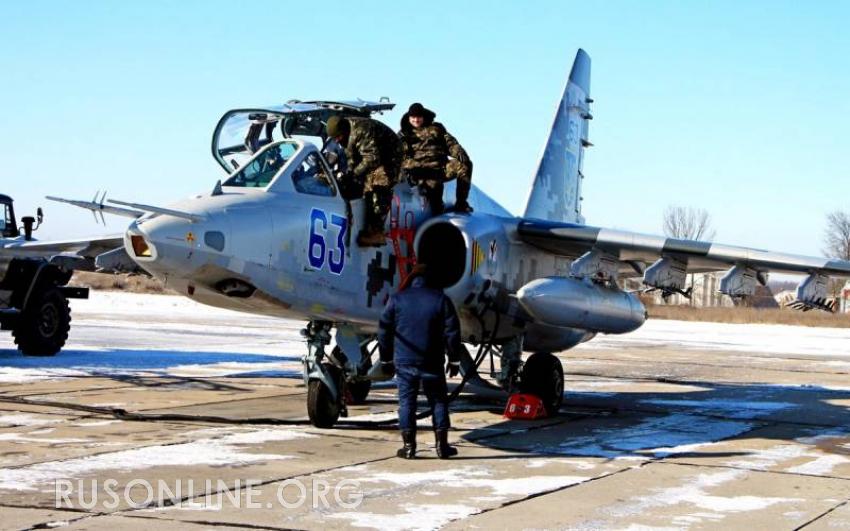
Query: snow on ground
x=652, y=436
x=115, y=333
x=694, y=492
x=380, y=483
x=772, y=339
x=121, y=333
x=213, y=447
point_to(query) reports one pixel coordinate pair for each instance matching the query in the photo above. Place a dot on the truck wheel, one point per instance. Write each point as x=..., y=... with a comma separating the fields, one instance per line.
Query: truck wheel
x=322, y=408
x=43, y=326
x=543, y=377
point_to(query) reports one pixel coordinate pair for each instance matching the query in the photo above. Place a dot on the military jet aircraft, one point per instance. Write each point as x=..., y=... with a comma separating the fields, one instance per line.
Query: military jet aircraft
x=273, y=237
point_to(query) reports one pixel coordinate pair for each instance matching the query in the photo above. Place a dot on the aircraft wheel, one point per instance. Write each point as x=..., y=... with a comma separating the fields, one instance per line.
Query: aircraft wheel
x=322, y=408
x=543, y=376
x=43, y=327
x=358, y=391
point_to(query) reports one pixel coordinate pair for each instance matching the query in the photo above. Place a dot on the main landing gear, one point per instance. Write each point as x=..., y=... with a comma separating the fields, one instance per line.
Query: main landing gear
x=541, y=374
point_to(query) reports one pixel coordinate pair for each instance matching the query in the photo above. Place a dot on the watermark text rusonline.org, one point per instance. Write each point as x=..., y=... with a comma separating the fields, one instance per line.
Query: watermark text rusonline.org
x=207, y=494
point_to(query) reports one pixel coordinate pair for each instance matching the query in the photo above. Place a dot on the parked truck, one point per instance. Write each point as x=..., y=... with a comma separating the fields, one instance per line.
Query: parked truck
x=34, y=289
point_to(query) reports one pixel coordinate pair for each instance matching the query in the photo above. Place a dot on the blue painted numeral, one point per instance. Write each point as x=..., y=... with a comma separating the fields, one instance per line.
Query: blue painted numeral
x=336, y=257
x=317, y=248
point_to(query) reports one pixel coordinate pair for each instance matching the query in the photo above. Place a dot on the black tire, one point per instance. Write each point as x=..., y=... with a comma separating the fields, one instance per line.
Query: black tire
x=543, y=376
x=44, y=325
x=322, y=409
x=358, y=391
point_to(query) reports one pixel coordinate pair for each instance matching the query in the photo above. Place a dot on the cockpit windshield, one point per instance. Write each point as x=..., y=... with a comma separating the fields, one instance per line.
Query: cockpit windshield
x=263, y=167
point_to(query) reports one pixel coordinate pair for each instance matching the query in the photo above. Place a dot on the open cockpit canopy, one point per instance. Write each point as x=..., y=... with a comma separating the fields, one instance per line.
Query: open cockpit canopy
x=241, y=133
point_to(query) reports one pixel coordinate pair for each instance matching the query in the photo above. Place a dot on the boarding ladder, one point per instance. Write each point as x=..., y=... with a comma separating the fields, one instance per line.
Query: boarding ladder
x=402, y=233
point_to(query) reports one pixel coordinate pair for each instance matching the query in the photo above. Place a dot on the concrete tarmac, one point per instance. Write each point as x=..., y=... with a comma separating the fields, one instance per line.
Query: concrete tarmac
x=649, y=437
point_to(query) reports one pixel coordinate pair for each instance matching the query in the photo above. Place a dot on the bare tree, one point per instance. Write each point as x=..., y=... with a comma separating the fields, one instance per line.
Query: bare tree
x=837, y=237
x=688, y=223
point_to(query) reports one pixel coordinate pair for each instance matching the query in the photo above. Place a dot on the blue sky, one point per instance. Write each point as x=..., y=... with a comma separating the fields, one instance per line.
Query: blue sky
x=736, y=107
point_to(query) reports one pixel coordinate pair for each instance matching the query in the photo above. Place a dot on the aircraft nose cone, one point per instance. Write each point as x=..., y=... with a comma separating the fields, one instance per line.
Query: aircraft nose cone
x=161, y=241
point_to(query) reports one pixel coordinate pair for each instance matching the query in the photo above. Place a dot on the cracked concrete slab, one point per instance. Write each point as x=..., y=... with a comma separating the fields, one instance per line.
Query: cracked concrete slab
x=658, y=434
x=660, y=495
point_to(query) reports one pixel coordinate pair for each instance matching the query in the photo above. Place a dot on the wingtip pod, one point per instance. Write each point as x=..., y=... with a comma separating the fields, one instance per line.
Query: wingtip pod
x=580, y=73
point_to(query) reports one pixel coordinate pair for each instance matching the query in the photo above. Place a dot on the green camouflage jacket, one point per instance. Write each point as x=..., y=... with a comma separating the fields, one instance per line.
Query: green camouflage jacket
x=429, y=147
x=373, y=153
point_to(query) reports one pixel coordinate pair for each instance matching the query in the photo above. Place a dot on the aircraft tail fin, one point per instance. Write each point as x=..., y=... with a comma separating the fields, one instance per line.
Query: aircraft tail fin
x=556, y=192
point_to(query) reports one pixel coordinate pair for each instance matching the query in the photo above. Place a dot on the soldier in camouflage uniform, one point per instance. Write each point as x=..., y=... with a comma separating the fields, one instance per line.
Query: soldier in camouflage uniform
x=373, y=153
x=426, y=148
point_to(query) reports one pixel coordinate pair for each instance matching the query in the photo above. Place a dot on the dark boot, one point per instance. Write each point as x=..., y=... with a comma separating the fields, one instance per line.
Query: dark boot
x=461, y=195
x=408, y=451
x=441, y=438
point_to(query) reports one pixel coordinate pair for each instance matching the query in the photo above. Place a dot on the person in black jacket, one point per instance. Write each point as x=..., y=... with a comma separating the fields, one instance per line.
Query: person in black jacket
x=418, y=326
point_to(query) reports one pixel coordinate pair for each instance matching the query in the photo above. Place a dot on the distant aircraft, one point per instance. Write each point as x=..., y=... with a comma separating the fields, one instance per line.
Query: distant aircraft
x=276, y=240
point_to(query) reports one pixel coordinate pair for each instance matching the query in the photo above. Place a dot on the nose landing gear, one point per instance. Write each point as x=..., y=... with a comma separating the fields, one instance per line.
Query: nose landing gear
x=334, y=380
x=323, y=379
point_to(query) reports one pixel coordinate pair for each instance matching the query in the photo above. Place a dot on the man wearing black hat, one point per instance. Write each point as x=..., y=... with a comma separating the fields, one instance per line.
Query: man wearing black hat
x=418, y=326
x=426, y=151
x=372, y=151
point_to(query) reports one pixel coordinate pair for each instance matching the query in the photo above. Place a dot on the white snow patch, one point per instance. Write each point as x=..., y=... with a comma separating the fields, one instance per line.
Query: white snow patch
x=777, y=339
x=414, y=518
x=23, y=419
x=213, y=447
x=821, y=466
x=465, y=477
x=375, y=417
x=575, y=463
x=229, y=369
x=657, y=436
x=95, y=423
x=737, y=409
x=20, y=438
x=641, y=527
x=694, y=493
x=763, y=459
x=15, y=375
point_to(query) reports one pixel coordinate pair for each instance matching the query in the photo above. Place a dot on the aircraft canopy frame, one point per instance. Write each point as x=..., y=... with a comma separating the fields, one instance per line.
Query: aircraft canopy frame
x=241, y=132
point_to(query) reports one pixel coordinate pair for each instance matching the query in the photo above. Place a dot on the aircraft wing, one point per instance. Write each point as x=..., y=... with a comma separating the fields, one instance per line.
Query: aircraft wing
x=88, y=249
x=664, y=262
